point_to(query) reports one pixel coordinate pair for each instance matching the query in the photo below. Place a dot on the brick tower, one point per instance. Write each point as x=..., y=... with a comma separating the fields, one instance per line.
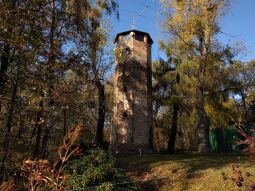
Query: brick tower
x=132, y=112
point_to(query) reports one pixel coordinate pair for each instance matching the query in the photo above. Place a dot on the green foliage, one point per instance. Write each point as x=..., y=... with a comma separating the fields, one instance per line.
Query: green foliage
x=96, y=171
x=48, y=73
x=208, y=77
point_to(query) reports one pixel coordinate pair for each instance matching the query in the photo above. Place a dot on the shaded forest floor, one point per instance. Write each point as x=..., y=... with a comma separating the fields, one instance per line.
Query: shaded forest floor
x=186, y=172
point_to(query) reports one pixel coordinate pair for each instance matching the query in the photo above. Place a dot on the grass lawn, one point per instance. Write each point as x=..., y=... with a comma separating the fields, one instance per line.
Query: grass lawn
x=186, y=172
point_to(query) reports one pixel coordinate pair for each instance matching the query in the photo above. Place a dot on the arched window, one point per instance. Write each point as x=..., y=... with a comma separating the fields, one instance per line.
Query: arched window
x=139, y=37
x=125, y=89
x=125, y=115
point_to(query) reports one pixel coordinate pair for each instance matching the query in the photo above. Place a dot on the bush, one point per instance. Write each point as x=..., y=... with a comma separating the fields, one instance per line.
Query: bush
x=96, y=171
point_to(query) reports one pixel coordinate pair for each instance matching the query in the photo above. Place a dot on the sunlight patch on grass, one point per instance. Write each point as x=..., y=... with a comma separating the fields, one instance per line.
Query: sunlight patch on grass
x=187, y=172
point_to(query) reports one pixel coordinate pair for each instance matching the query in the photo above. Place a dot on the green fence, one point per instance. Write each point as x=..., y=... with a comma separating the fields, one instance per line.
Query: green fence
x=224, y=139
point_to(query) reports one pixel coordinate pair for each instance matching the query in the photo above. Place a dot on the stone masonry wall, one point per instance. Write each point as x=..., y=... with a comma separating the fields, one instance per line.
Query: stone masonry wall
x=132, y=97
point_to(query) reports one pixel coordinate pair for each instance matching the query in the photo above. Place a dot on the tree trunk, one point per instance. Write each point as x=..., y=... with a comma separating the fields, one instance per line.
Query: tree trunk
x=50, y=76
x=173, y=132
x=21, y=125
x=38, y=128
x=203, y=123
x=95, y=39
x=101, y=113
x=4, y=66
x=5, y=57
x=64, y=122
x=203, y=120
x=38, y=139
x=8, y=126
x=49, y=125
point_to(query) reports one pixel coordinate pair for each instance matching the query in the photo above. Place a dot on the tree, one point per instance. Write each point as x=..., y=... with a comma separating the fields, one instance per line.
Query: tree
x=192, y=27
x=165, y=94
x=18, y=51
x=241, y=79
x=46, y=71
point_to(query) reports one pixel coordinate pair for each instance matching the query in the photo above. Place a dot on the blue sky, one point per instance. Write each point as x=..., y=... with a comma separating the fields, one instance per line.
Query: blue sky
x=238, y=24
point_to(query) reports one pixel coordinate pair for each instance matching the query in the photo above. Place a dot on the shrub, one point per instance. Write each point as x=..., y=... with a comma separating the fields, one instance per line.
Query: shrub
x=97, y=171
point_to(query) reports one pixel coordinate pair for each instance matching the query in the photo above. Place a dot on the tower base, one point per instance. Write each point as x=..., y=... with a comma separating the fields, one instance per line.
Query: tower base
x=131, y=148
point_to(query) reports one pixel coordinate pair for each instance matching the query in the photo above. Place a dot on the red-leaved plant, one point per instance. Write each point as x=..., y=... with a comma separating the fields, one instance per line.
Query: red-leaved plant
x=239, y=178
x=7, y=186
x=248, y=139
x=41, y=173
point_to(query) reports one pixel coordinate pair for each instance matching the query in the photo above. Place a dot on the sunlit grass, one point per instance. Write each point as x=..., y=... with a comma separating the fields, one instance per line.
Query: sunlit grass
x=187, y=172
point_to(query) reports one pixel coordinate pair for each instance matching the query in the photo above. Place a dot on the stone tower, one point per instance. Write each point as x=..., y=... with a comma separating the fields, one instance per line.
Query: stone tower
x=132, y=112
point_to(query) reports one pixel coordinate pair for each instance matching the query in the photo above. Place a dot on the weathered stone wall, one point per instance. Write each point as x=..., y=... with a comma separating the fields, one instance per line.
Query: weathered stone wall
x=132, y=96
